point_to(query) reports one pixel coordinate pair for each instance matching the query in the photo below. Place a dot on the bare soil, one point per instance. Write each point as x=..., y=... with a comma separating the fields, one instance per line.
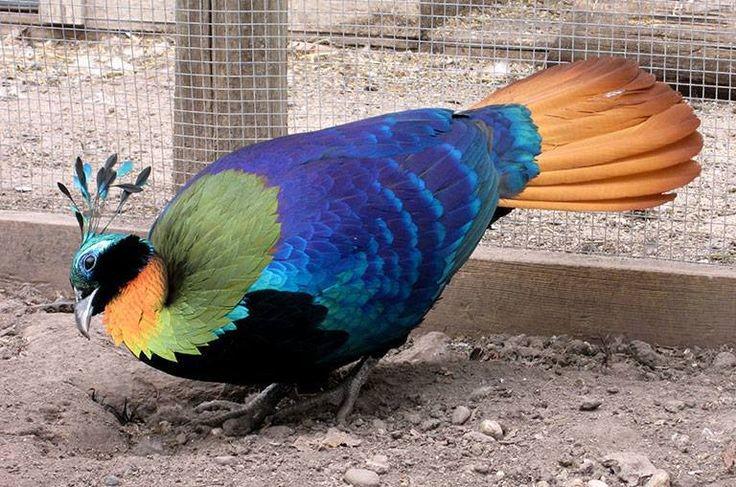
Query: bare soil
x=80, y=413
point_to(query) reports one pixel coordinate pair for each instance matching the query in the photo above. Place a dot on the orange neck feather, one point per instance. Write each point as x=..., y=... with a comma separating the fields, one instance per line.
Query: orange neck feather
x=131, y=317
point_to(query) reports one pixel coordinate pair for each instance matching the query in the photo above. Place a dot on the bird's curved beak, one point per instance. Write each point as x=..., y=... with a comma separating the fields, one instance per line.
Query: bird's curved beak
x=83, y=311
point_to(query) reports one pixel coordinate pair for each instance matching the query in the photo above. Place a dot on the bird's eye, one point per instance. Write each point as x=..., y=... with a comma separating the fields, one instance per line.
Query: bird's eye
x=89, y=262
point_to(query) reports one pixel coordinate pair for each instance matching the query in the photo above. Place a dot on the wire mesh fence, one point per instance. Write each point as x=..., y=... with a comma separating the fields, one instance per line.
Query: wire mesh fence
x=91, y=77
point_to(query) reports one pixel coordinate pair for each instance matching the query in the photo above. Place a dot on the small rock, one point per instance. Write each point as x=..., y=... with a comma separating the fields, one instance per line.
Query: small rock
x=575, y=483
x=226, y=460
x=380, y=426
x=334, y=438
x=481, y=469
x=500, y=474
x=644, y=353
x=112, y=481
x=590, y=404
x=674, y=406
x=724, y=360
x=413, y=418
x=216, y=432
x=542, y=483
x=360, y=477
x=378, y=463
x=596, y=483
x=659, y=479
x=181, y=438
x=491, y=428
x=629, y=467
x=460, y=415
x=587, y=467
x=430, y=347
x=580, y=347
x=277, y=432
x=430, y=424
x=481, y=393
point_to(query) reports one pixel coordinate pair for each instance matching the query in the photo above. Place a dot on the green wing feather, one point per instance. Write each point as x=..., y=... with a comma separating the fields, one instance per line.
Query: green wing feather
x=215, y=239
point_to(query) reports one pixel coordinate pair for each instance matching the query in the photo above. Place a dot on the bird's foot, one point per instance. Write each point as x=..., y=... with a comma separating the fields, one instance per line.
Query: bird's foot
x=249, y=415
x=344, y=394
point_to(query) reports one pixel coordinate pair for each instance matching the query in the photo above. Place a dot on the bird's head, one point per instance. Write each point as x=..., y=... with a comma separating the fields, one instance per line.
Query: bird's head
x=101, y=268
x=105, y=262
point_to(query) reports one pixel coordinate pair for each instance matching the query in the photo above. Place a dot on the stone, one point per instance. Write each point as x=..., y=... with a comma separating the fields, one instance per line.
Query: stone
x=430, y=424
x=674, y=406
x=111, y=481
x=430, y=347
x=590, y=404
x=378, y=463
x=659, y=479
x=644, y=353
x=491, y=428
x=630, y=467
x=596, y=483
x=361, y=477
x=460, y=415
x=335, y=438
x=724, y=360
x=226, y=460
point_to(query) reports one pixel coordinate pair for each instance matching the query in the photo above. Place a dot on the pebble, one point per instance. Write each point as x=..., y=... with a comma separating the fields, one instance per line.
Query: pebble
x=430, y=347
x=659, y=479
x=674, y=406
x=590, y=404
x=361, y=477
x=226, y=460
x=481, y=393
x=596, y=483
x=478, y=436
x=644, y=353
x=481, y=469
x=378, y=463
x=629, y=466
x=542, y=483
x=491, y=428
x=181, y=438
x=430, y=424
x=724, y=360
x=460, y=415
x=112, y=481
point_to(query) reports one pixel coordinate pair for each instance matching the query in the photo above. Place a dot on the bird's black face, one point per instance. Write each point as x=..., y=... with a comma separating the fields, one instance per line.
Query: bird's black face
x=102, y=266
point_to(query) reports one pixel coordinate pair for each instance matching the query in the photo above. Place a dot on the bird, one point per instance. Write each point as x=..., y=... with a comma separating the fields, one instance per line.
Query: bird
x=285, y=260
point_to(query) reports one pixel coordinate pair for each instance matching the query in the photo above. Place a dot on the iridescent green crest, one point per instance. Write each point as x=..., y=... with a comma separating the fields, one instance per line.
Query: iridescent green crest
x=89, y=215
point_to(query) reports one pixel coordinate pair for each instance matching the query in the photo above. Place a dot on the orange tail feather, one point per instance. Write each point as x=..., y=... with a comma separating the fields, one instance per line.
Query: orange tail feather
x=613, y=138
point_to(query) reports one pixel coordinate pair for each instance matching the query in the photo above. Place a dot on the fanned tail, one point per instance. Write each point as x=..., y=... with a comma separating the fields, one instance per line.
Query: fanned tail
x=613, y=138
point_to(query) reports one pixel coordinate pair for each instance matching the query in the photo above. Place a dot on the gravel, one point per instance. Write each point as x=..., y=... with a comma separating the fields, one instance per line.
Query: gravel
x=491, y=428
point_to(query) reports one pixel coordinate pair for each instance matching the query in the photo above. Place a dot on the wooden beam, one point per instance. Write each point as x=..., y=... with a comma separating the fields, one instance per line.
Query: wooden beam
x=231, y=71
x=497, y=291
x=690, y=45
x=61, y=12
x=543, y=293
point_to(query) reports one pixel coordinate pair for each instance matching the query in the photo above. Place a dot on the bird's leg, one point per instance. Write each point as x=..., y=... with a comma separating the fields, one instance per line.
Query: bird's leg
x=252, y=413
x=345, y=393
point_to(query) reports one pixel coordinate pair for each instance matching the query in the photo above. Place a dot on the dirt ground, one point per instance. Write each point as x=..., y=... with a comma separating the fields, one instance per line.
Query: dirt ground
x=84, y=413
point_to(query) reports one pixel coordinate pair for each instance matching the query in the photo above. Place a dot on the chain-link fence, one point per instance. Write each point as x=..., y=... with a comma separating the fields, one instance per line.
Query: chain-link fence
x=91, y=77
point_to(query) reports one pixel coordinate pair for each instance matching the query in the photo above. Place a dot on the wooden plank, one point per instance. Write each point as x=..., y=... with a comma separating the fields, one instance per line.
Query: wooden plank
x=691, y=46
x=231, y=71
x=62, y=12
x=497, y=291
x=541, y=293
x=136, y=15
